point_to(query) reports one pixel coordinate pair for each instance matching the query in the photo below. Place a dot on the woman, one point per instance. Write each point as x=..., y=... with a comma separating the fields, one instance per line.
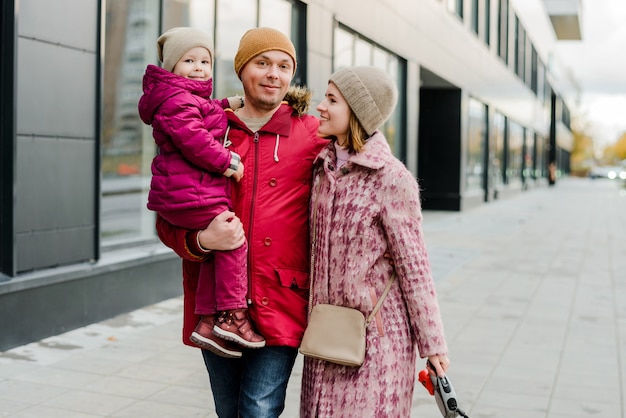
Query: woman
x=365, y=208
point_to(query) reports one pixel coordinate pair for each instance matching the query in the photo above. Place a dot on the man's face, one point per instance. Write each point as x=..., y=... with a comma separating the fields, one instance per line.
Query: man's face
x=266, y=79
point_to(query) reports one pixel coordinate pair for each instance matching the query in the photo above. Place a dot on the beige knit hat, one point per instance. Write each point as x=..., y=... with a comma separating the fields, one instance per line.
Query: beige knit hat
x=258, y=40
x=370, y=92
x=174, y=43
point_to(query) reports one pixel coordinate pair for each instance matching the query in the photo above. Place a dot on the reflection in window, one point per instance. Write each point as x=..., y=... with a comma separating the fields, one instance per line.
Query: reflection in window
x=351, y=49
x=127, y=148
x=476, y=140
x=514, y=160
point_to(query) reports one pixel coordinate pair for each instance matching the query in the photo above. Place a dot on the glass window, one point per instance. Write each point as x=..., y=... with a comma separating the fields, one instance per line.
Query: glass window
x=476, y=140
x=533, y=69
x=343, y=49
x=456, y=7
x=127, y=147
x=475, y=14
x=540, y=80
x=529, y=156
x=540, y=157
x=288, y=17
x=497, y=162
x=234, y=18
x=487, y=23
x=520, y=49
x=503, y=30
x=352, y=49
x=275, y=14
x=195, y=13
x=362, y=52
x=514, y=155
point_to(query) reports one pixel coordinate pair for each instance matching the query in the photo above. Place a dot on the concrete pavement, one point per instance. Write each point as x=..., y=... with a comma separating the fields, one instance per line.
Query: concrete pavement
x=532, y=290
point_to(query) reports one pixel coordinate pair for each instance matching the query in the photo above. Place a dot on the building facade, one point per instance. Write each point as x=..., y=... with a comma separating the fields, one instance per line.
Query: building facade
x=479, y=117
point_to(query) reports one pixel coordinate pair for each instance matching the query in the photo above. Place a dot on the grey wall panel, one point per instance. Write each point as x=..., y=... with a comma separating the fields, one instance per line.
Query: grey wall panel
x=56, y=91
x=48, y=248
x=56, y=184
x=56, y=125
x=73, y=25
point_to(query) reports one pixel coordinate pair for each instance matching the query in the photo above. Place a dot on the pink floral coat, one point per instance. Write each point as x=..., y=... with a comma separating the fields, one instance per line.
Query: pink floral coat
x=367, y=208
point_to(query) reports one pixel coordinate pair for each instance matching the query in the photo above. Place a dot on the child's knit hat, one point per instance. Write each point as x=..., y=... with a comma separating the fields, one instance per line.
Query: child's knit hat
x=258, y=40
x=370, y=92
x=174, y=43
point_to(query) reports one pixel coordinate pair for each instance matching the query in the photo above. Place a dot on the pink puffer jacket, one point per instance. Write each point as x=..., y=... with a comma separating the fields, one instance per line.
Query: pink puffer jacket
x=188, y=128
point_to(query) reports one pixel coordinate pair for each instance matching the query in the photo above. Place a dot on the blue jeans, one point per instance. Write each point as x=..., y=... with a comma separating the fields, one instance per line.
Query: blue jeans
x=253, y=386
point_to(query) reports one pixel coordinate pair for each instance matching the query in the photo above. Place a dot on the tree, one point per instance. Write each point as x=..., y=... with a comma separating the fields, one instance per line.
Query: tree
x=582, y=156
x=620, y=147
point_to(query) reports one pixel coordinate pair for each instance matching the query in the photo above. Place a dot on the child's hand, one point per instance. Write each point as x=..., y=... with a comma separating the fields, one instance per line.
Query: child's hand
x=238, y=175
x=235, y=102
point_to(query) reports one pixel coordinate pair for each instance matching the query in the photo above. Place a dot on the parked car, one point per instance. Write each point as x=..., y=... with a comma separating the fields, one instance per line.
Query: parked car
x=608, y=172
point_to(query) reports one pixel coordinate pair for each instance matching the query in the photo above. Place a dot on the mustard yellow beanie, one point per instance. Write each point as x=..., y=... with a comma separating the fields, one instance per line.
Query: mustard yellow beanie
x=258, y=40
x=174, y=43
x=370, y=92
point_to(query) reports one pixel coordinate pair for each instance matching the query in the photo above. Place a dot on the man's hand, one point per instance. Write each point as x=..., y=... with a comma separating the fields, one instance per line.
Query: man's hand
x=225, y=232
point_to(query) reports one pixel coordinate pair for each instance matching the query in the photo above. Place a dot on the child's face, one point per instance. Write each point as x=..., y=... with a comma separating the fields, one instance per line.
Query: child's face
x=195, y=64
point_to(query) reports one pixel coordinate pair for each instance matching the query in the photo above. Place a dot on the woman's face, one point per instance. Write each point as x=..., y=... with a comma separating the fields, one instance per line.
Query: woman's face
x=334, y=115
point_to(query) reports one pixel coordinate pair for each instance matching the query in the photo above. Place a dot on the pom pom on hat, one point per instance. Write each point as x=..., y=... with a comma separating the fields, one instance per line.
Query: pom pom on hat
x=258, y=40
x=370, y=92
x=174, y=43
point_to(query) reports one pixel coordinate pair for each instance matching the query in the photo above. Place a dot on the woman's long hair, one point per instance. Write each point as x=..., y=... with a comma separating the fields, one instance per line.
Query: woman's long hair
x=356, y=135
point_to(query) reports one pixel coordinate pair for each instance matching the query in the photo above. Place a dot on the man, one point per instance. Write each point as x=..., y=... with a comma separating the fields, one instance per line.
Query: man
x=277, y=145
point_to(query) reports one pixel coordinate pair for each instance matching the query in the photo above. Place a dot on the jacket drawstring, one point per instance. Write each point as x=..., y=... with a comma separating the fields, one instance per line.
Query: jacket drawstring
x=227, y=142
x=276, y=148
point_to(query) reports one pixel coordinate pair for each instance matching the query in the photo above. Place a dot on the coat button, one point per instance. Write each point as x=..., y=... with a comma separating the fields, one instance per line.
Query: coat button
x=267, y=241
x=265, y=300
x=272, y=183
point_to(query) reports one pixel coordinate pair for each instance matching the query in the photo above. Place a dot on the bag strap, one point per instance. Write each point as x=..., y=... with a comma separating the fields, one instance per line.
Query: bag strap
x=313, y=248
x=381, y=299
